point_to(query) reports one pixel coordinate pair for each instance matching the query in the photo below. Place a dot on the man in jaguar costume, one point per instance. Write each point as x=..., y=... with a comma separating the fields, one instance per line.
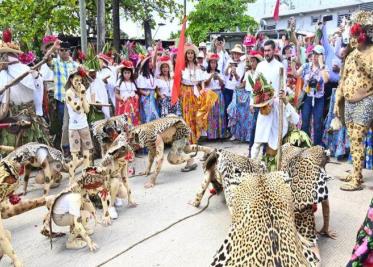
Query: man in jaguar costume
x=49, y=159
x=355, y=93
x=73, y=208
x=12, y=205
x=155, y=134
x=21, y=101
x=116, y=162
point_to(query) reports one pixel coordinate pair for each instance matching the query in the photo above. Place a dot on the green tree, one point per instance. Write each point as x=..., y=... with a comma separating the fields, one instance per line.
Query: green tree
x=143, y=11
x=219, y=16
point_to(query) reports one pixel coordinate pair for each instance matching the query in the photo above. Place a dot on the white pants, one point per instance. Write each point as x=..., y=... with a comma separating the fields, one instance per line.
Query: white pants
x=256, y=151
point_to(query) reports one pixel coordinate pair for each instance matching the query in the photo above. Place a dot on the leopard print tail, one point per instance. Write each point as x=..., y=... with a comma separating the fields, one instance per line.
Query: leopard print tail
x=10, y=211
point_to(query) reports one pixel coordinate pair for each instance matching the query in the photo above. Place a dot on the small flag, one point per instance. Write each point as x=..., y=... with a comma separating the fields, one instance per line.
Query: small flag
x=180, y=64
x=276, y=11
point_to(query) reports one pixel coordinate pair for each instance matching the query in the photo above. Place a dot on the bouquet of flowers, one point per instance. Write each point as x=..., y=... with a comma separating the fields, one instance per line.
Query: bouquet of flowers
x=262, y=90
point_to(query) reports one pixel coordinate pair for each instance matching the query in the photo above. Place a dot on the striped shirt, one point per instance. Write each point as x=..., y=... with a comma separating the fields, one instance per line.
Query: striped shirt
x=61, y=73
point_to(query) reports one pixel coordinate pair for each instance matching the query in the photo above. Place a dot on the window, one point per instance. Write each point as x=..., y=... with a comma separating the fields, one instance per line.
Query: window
x=271, y=27
x=314, y=19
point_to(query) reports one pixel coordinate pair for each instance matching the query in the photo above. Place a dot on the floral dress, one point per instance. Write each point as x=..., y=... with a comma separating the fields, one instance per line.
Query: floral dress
x=362, y=253
x=241, y=120
x=148, y=105
x=165, y=106
x=130, y=103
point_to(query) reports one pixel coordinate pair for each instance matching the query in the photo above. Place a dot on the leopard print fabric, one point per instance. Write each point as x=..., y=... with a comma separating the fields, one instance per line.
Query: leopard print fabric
x=9, y=179
x=27, y=153
x=101, y=129
x=145, y=135
x=308, y=184
x=263, y=232
x=119, y=148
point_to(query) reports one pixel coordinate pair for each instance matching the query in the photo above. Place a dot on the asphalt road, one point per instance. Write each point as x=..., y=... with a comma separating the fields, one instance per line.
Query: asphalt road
x=192, y=242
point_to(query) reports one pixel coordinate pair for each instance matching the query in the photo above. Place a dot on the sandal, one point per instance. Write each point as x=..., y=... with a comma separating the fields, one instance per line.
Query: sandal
x=189, y=168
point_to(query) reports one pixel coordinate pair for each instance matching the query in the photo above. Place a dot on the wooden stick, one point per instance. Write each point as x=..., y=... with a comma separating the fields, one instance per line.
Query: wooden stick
x=23, y=75
x=281, y=120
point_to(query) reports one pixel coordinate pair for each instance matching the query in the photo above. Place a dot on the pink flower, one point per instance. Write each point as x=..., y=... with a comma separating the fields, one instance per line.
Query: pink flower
x=49, y=39
x=370, y=214
x=368, y=230
x=360, y=250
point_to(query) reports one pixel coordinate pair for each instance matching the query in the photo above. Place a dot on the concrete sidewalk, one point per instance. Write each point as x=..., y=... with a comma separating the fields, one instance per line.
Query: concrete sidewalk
x=190, y=243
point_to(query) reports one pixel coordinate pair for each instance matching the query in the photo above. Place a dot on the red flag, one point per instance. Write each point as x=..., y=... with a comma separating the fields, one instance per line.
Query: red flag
x=276, y=11
x=180, y=64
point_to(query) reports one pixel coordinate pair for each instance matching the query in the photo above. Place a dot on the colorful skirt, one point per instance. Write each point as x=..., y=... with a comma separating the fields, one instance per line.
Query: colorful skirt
x=336, y=141
x=130, y=107
x=240, y=119
x=189, y=107
x=166, y=108
x=148, y=107
x=216, y=119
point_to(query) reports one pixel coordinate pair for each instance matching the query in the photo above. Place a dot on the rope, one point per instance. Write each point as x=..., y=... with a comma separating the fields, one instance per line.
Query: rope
x=156, y=233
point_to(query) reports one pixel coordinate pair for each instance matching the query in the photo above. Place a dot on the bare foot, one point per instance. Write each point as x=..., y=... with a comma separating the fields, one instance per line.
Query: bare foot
x=328, y=233
x=149, y=184
x=132, y=205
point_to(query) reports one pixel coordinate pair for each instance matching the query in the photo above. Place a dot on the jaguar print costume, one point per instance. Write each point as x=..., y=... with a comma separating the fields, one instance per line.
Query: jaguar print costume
x=262, y=232
x=105, y=131
x=219, y=168
x=116, y=161
x=305, y=167
x=49, y=159
x=92, y=181
x=9, y=182
x=155, y=134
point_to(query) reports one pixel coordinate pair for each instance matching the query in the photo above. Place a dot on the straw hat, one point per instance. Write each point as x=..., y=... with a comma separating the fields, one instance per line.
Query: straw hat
x=7, y=46
x=192, y=47
x=202, y=45
x=164, y=60
x=237, y=49
x=126, y=64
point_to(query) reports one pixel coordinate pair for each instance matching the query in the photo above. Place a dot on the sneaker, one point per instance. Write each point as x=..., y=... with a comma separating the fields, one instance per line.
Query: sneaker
x=118, y=202
x=232, y=138
x=113, y=213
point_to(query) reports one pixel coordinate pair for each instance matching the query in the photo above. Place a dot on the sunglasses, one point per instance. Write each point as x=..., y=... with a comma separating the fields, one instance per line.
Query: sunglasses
x=63, y=50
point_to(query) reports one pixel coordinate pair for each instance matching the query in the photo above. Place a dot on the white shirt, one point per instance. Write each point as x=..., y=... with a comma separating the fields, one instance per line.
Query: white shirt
x=112, y=80
x=46, y=72
x=223, y=59
x=145, y=83
x=214, y=84
x=267, y=125
x=126, y=89
x=98, y=89
x=230, y=80
x=271, y=71
x=192, y=76
x=77, y=120
x=164, y=86
x=68, y=204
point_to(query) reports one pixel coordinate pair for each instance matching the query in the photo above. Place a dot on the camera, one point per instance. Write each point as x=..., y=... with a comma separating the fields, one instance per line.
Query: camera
x=313, y=83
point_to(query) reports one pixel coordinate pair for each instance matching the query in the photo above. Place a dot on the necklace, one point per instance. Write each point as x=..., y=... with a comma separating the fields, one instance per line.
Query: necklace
x=151, y=79
x=168, y=82
x=192, y=74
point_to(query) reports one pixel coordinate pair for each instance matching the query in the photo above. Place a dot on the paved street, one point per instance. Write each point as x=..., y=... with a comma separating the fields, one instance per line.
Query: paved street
x=192, y=242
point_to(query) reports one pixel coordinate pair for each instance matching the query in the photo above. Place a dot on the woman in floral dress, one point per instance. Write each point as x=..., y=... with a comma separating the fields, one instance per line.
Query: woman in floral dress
x=146, y=86
x=215, y=81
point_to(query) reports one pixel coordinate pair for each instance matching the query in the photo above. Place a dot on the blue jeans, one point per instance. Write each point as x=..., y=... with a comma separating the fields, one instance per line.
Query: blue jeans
x=316, y=112
x=60, y=106
x=228, y=94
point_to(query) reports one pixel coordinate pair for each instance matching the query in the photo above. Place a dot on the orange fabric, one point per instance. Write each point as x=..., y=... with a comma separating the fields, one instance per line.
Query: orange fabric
x=298, y=89
x=180, y=64
x=205, y=103
x=189, y=106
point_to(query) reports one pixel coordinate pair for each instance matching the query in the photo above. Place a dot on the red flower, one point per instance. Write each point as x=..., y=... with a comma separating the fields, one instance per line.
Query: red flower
x=266, y=96
x=362, y=38
x=257, y=86
x=81, y=56
x=14, y=199
x=82, y=72
x=213, y=191
x=356, y=29
x=7, y=36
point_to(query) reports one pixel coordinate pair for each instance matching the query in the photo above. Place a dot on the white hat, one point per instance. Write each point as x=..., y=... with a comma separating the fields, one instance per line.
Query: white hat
x=201, y=54
x=202, y=44
x=237, y=49
x=319, y=49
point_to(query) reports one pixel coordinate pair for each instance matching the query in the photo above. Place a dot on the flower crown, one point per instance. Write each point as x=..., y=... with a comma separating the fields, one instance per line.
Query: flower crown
x=49, y=39
x=27, y=58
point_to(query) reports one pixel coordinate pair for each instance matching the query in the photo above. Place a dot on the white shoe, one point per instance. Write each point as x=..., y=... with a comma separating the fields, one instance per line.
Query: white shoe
x=113, y=213
x=118, y=202
x=232, y=138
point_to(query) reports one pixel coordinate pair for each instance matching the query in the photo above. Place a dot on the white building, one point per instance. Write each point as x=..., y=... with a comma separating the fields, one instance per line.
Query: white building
x=307, y=12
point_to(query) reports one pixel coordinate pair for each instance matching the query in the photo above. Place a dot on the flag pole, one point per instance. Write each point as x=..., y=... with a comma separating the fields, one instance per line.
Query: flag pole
x=281, y=121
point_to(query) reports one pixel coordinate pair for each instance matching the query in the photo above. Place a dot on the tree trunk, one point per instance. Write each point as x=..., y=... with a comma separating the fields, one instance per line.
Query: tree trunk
x=116, y=25
x=100, y=25
x=83, y=26
x=148, y=33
